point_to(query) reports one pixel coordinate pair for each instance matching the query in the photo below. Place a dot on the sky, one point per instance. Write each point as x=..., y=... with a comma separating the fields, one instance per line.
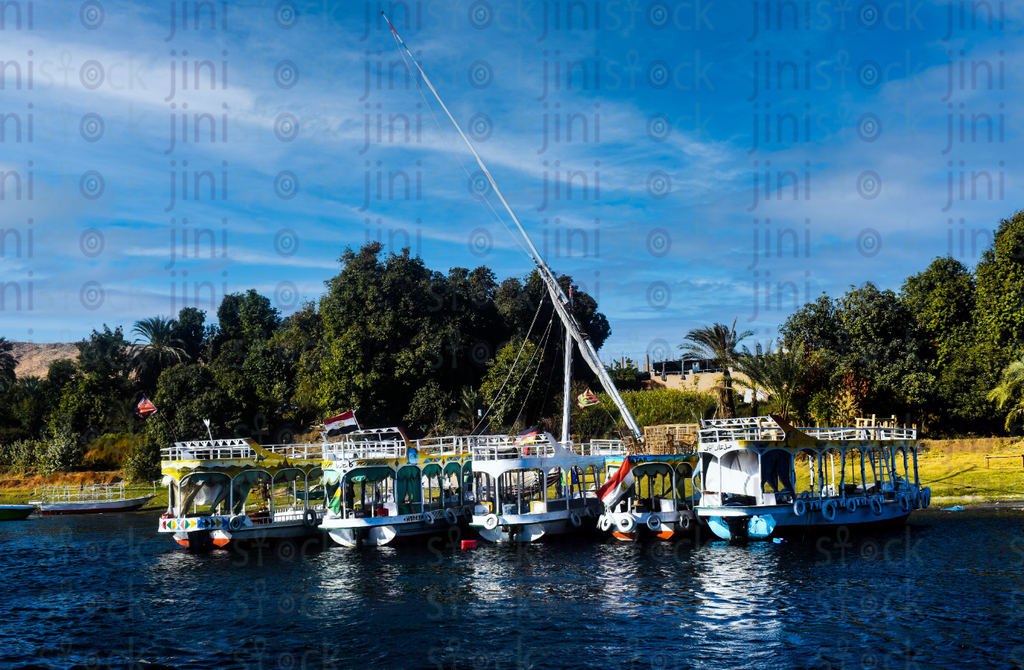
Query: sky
x=685, y=162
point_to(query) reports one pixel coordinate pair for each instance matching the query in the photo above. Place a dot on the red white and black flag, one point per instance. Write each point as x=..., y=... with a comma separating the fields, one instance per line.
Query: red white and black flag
x=145, y=408
x=341, y=424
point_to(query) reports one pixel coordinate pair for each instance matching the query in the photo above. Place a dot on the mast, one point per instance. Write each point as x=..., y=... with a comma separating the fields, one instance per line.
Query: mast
x=567, y=376
x=558, y=297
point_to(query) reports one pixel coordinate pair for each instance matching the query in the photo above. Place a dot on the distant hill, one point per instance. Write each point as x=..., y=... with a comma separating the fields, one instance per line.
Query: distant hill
x=34, y=358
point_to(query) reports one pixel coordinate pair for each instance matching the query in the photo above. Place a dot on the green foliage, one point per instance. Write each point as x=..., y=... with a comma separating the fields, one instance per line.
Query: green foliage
x=1000, y=287
x=717, y=343
x=159, y=349
x=626, y=377
x=655, y=407
x=18, y=456
x=7, y=364
x=505, y=387
x=108, y=451
x=189, y=332
x=64, y=451
x=142, y=464
x=1009, y=394
x=780, y=374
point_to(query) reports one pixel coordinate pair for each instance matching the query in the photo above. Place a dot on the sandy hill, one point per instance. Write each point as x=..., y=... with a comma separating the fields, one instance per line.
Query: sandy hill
x=34, y=359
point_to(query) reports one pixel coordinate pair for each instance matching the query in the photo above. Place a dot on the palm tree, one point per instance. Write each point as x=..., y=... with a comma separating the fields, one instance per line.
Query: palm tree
x=717, y=343
x=159, y=348
x=1010, y=391
x=8, y=363
x=779, y=374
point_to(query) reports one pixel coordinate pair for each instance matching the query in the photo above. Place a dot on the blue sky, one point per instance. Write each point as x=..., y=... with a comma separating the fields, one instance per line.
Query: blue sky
x=305, y=135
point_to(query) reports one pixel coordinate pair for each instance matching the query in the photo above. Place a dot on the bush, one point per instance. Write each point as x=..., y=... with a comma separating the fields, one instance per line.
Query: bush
x=20, y=455
x=142, y=464
x=64, y=451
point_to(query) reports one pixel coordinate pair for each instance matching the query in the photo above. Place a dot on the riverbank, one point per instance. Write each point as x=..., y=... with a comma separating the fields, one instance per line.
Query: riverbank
x=19, y=490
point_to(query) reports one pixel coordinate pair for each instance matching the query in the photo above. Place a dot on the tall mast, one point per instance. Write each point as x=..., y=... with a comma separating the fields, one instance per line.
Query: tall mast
x=567, y=381
x=558, y=297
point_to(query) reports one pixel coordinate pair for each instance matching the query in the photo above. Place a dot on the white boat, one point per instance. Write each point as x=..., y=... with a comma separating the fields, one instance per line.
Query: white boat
x=747, y=478
x=86, y=499
x=382, y=487
x=225, y=491
x=528, y=491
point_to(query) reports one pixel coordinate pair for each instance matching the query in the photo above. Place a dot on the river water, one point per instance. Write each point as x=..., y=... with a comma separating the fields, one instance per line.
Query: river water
x=107, y=591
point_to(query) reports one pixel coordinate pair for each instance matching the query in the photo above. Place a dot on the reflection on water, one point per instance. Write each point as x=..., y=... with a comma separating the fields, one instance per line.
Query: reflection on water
x=109, y=592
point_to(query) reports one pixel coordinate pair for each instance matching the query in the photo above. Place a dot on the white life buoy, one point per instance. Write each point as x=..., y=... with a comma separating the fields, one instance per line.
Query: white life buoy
x=851, y=504
x=575, y=519
x=904, y=500
x=309, y=519
x=428, y=518
x=451, y=517
x=490, y=522
x=799, y=507
x=654, y=523
x=626, y=523
x=828, y=510
x=589, y=511
x=926, y=497
x=876, y=506
x=606, y=523
x=918, y=500
x=236, y=522
x=685, y=521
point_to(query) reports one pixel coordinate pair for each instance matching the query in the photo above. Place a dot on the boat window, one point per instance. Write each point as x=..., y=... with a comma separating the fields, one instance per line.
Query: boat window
x=776, y=469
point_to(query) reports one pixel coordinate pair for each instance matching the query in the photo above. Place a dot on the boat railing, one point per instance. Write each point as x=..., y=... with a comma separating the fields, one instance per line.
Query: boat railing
x=772, y=433
x=600, y=448
x=365, y=450
x=85, y=493
x=496, y=451
x=237, y=449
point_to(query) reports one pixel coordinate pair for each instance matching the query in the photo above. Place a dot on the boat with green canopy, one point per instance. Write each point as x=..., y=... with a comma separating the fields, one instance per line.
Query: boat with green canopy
x=382, y=487
x=224, y=491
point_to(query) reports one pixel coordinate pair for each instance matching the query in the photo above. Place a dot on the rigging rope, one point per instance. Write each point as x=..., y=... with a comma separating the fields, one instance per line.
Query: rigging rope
x=509, y=375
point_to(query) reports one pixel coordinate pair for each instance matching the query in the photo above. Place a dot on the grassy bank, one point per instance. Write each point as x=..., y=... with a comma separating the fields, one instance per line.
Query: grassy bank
x=18, y=490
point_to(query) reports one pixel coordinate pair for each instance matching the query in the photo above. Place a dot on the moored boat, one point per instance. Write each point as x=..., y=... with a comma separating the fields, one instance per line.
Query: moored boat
x=224, y=491
x=382, y=487
x=542, y=489
x=656, y=501
x=15, y=512
x=740, y=458
x=86, y=499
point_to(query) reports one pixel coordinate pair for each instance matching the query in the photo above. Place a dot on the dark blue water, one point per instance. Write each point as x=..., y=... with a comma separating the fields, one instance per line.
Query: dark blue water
x=946, y=592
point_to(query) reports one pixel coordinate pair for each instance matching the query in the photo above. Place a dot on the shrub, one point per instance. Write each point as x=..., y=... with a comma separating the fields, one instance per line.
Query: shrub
x=20, y=455
x=64, y=451
x=142, y=464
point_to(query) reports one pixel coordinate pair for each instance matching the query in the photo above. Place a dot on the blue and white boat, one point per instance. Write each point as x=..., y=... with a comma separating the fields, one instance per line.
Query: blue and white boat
x=860, y=478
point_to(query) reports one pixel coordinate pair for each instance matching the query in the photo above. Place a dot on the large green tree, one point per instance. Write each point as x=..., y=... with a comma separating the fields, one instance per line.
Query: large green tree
x=717, y=343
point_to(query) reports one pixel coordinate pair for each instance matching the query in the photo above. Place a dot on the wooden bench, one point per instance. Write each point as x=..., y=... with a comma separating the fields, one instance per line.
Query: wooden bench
x=1021, y=457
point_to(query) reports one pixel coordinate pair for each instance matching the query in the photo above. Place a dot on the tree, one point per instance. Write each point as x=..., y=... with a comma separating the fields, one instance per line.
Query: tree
x=190, y=331
x=160, y=349
x=1010, y=392
x=1000, y=287
x=717, y=343
x=8, y=363
x=506, y=386
x=780, y=373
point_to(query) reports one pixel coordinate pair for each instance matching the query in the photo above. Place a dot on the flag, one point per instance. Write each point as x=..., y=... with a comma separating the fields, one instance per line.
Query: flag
x=342, y=423
x=527, y=436
x=586, y=399
x=617, y=485
x=145, y=408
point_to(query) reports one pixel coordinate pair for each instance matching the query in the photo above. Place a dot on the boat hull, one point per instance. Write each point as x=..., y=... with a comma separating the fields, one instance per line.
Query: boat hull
x=533, y=527
x=673, y=525
x=15, y=512
x=763, y=522
x=199, y=533
x=93, y=506
x=380, y=531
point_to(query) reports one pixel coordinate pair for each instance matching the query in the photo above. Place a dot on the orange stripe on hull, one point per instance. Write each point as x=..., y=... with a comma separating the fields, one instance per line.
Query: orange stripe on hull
x=666, y=534
x=625, y=537
x=183, y=543
x=221, y=541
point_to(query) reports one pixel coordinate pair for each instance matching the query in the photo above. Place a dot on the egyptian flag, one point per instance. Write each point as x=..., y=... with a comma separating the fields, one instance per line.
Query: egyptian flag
x=527, y=436
x=586, y=399
x=145, y=408
x=617, y=485
x=341, y=424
